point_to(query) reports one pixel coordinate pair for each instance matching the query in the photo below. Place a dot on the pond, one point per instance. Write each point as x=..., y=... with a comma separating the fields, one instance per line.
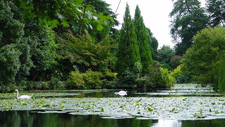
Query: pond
x=181, y=106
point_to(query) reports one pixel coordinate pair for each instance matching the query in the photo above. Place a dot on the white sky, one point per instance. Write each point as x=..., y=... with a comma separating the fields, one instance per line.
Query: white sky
x=155, y=14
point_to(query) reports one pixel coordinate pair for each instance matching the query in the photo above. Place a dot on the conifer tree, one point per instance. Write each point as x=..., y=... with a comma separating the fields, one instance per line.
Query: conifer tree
x=143, y=39
x=128, y=51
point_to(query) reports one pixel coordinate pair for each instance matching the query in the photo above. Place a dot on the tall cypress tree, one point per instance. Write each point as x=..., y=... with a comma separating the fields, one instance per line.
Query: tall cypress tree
x=143, y=41
x=128, y=51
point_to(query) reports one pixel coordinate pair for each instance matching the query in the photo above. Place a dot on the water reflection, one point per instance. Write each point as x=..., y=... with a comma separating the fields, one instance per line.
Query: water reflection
x=28, y=119
x=167, y=123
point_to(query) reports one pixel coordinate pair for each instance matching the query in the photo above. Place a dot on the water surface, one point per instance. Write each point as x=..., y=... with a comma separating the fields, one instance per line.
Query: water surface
x=180, y=106
x=28, y=119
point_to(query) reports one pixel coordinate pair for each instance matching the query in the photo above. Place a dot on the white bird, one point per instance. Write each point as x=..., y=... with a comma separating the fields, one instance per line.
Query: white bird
x=23, y=96
x=121, y=93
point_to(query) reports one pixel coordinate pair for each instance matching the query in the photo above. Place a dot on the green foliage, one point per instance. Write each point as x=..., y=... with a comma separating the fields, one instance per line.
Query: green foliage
x=188, y=18
x=220, y=76
x=55, y=83
x=25, y=61
x=11, y=30
x=47, y=49
x=28, y=48
x=78, y=16
x=153, y=44
x=104, y=8
x=143, y=41
x=202, y=60
x=81, y=52
x=43, y=51
x=76, y=80
x=15, y=53
x=179, y=76
x=176, y=72
x=159, y=78
x=164, y=56
x=10, y=64
x=215, y=9
x=88, y=80
x=128, y=51
x=175, y=61
x=93, y=80
x=131, y=77
x=169, y=80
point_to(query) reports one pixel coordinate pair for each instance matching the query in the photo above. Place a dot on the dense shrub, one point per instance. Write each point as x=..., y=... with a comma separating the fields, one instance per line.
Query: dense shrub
x=166, y=78
x=179, y=76
x=55, y=83
x=76, y=80
x=159, y=78
x=131, y=76
x=91, y=80
x=220, y=76
x=175, y=61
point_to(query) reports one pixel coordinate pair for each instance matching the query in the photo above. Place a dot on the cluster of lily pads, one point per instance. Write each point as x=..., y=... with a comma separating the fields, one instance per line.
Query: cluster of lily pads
x=179, y=108
x=174, y=108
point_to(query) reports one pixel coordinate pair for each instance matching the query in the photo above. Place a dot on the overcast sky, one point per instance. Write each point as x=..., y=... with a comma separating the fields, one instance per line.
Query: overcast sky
x=155, y=14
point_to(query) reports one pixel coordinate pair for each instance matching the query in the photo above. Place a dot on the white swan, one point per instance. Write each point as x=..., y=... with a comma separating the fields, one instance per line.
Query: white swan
x=23, y=96
x=121, y=93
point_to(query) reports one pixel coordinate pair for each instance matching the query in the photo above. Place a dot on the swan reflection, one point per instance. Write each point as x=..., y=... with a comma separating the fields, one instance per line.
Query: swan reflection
x=168, y=123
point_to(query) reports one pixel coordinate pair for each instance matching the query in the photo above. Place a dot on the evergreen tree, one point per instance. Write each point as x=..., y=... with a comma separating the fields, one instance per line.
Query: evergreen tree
x=153, y=42
x=188, y=18
x=11, y=30
x=143, y=39
x=128, y=51
x=15, y=54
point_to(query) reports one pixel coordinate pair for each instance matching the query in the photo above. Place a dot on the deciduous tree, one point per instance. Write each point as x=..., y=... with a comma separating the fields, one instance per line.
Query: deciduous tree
x=215, y=9
x=187, y=19
x=204, y=60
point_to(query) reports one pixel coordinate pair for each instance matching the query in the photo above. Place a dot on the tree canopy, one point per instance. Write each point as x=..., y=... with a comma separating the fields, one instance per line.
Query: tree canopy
x=187, y=19
x=215, y=9
x=203, y=60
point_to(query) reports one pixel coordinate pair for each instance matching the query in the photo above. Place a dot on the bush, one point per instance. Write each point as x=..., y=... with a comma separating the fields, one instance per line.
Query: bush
x=55, y=83
x=8, y=88
x=76, y=80
x=176, y=72
x=159, y=78
x=220, y=76
x=166, y=78
x=93, y=79
x=166, y=66
x=175, y=61
x=179, y=76
x=130, y=77
x=87, y=80
x=30, y=85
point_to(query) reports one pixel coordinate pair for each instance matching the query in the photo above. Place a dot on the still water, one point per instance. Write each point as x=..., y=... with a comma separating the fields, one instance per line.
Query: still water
x=30, y=119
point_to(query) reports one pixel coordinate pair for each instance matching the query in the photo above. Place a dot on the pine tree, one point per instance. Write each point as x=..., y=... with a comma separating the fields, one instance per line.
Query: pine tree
x=128, y=51
x=143, y=41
